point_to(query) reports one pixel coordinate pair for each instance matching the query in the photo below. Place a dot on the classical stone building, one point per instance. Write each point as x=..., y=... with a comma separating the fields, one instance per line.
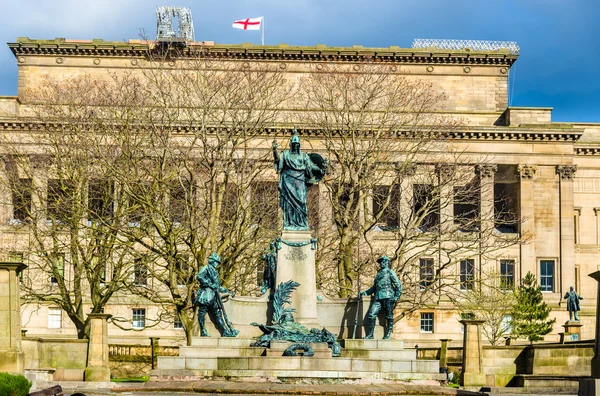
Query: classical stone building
x=550, y=169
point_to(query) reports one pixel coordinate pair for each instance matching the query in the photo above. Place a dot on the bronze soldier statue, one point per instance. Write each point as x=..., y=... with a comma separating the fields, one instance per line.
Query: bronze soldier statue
x=387, y=289
x=208, y=298
x=270, y=271
x=573, y=303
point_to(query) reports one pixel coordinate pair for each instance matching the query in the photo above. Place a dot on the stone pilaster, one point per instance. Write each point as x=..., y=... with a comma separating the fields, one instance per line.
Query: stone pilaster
x=97, y=369
x=566, y=270
x=39, y=192
x=486, y=205
x=296, y=261
x=11, y=352
x=472, y=358
x=528, y=259
x=591, y=386
x=6, y=204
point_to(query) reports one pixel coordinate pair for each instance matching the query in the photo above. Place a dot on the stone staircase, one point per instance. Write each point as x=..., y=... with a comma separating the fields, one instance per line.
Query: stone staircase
x=234, y=359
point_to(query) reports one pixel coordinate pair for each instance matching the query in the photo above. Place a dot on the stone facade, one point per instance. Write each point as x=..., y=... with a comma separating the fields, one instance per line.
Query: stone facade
x=555, y=165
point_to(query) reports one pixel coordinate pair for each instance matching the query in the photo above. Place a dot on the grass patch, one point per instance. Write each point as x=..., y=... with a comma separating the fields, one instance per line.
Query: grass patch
x=143, y=378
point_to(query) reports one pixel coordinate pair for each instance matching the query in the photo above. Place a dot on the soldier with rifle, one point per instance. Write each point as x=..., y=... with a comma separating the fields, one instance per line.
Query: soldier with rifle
x=209, y=298
x=387, y=290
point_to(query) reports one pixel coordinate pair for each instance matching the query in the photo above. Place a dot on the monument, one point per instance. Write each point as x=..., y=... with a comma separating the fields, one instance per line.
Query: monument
x=296, y=247
x=209, y=298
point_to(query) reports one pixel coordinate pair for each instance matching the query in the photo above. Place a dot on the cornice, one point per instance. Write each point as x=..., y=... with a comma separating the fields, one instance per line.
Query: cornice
x=586, y=151
x=467, y=133
x=61, y=47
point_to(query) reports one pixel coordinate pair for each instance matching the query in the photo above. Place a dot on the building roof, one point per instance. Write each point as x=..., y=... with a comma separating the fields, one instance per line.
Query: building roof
x=319, y=52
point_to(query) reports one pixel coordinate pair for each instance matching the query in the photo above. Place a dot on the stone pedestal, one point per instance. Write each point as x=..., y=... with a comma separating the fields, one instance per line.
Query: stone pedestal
x=296, y=261
x=11, y=352
x=572, y=331
x=97, y=369
x=444, y=353
x=472, y=358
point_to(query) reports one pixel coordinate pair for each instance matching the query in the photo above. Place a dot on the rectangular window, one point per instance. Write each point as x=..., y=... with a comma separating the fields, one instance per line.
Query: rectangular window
x=265, y=197
x=467, y=274
x=507, y=191
x=54, y=318
x=182, y=268
x=138, y=318
x=178, y=202
x=140, y=272
x=389, y=216
x=100, y=199
x=507, y=274
x=466, y=207
x=58, y=268
x=59, y=202
x=426, y=206
x=177, y=324
x=21, y=198
x=427, y=322
x=426, y=272
x=547, y=275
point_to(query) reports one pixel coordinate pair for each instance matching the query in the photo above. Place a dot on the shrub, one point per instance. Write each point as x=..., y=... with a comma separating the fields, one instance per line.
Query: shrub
x=13, y=385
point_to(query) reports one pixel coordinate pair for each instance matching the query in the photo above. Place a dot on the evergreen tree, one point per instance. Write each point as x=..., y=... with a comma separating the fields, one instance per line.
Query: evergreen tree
x=530, y=314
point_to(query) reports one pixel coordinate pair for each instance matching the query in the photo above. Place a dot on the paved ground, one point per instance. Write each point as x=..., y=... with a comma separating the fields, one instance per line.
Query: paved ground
x=269, y=388
x=262, y=388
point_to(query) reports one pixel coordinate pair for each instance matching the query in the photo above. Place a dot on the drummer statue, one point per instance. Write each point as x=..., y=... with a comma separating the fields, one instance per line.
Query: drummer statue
x=573, y=303
x=297, y=171
x=209, y=298
x=387, y=290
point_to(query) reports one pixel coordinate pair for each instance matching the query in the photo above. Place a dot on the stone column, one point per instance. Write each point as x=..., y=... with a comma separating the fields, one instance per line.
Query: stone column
x=444, y=354
x=591, y=386
x=6, y=209
x=97, y=360
x=566, y=174
x=486, y=196
x=296, y=261
x=446, y=190
x=528, y=258
x=472, y=358
x=11, y=352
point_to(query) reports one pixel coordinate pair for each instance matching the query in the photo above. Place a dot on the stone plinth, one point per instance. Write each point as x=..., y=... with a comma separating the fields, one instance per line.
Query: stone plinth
x=472, y=359
x=11, y=351
x=277, y=348
x=591, y=387
x=298, y=263
x=97, y=369
x=572, y=331
x=444, y=352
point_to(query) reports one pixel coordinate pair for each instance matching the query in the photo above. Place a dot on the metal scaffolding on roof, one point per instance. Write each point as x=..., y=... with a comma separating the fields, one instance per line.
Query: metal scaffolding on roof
x=165, y=18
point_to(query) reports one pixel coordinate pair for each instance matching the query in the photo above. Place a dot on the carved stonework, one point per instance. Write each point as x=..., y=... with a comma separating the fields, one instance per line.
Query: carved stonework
x=485, y=171
x=444, y=171
x=40, y=161
x=405, y=169
x=566, y=172
x=527, y=171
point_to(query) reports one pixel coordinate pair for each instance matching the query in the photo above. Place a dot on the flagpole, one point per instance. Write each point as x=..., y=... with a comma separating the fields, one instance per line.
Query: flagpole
x=262, y=31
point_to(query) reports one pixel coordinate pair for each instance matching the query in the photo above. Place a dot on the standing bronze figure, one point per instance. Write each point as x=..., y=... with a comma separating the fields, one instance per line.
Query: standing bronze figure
x=297, y=171
x=387, y=290
x=209, y=299
x=270, y=271
x=573, y=303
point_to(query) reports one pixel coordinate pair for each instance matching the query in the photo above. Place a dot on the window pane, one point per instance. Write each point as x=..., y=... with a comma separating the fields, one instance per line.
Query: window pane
x=467, y=274
x=139, y=318
x=59, y=268
x=140, y=273
x=507, y=274
x=426, y=272
x=427, y=322
x=54, y=318
x=21, y=197
x=547, y=275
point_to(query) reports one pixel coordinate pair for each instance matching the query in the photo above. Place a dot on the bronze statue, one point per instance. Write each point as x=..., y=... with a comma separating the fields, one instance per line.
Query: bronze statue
x=270, y=271
x=209, y=298
x=297, y=171
x=387, y=290
x=573, y=303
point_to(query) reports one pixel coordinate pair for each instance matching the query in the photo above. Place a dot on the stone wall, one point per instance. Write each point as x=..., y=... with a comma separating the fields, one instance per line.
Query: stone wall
x=67, y=355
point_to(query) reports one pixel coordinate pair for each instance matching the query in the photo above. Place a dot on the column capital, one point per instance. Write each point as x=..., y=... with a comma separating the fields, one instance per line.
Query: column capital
x=596, y=211
x=486, y=171
x=566, y=172
x=527, y=171
x=444, y=171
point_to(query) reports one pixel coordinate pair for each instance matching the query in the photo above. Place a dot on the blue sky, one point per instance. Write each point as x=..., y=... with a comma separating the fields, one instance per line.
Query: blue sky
x=559, y=39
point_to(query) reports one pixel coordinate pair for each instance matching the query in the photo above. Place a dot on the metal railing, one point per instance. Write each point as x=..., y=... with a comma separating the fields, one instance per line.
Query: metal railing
x=475, y=45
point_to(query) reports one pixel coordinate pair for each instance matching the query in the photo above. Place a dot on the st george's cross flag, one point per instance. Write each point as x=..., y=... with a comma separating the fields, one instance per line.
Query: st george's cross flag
x=248, y=23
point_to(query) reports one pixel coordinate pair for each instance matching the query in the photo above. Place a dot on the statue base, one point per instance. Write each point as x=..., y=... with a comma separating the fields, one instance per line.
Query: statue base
x=572, y=331
x=296, y=261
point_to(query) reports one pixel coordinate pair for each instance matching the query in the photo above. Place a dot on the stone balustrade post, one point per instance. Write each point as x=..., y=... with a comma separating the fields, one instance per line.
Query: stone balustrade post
x=97, y=369
x=472, y=358
x=591, y=386
x=444, y=353
x=154, y=350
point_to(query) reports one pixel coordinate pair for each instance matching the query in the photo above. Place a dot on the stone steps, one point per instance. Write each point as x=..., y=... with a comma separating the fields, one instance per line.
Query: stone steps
x=222, y=342
x=394, y=354
x=214, y=352
x=326, y=375
x=327, y=364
